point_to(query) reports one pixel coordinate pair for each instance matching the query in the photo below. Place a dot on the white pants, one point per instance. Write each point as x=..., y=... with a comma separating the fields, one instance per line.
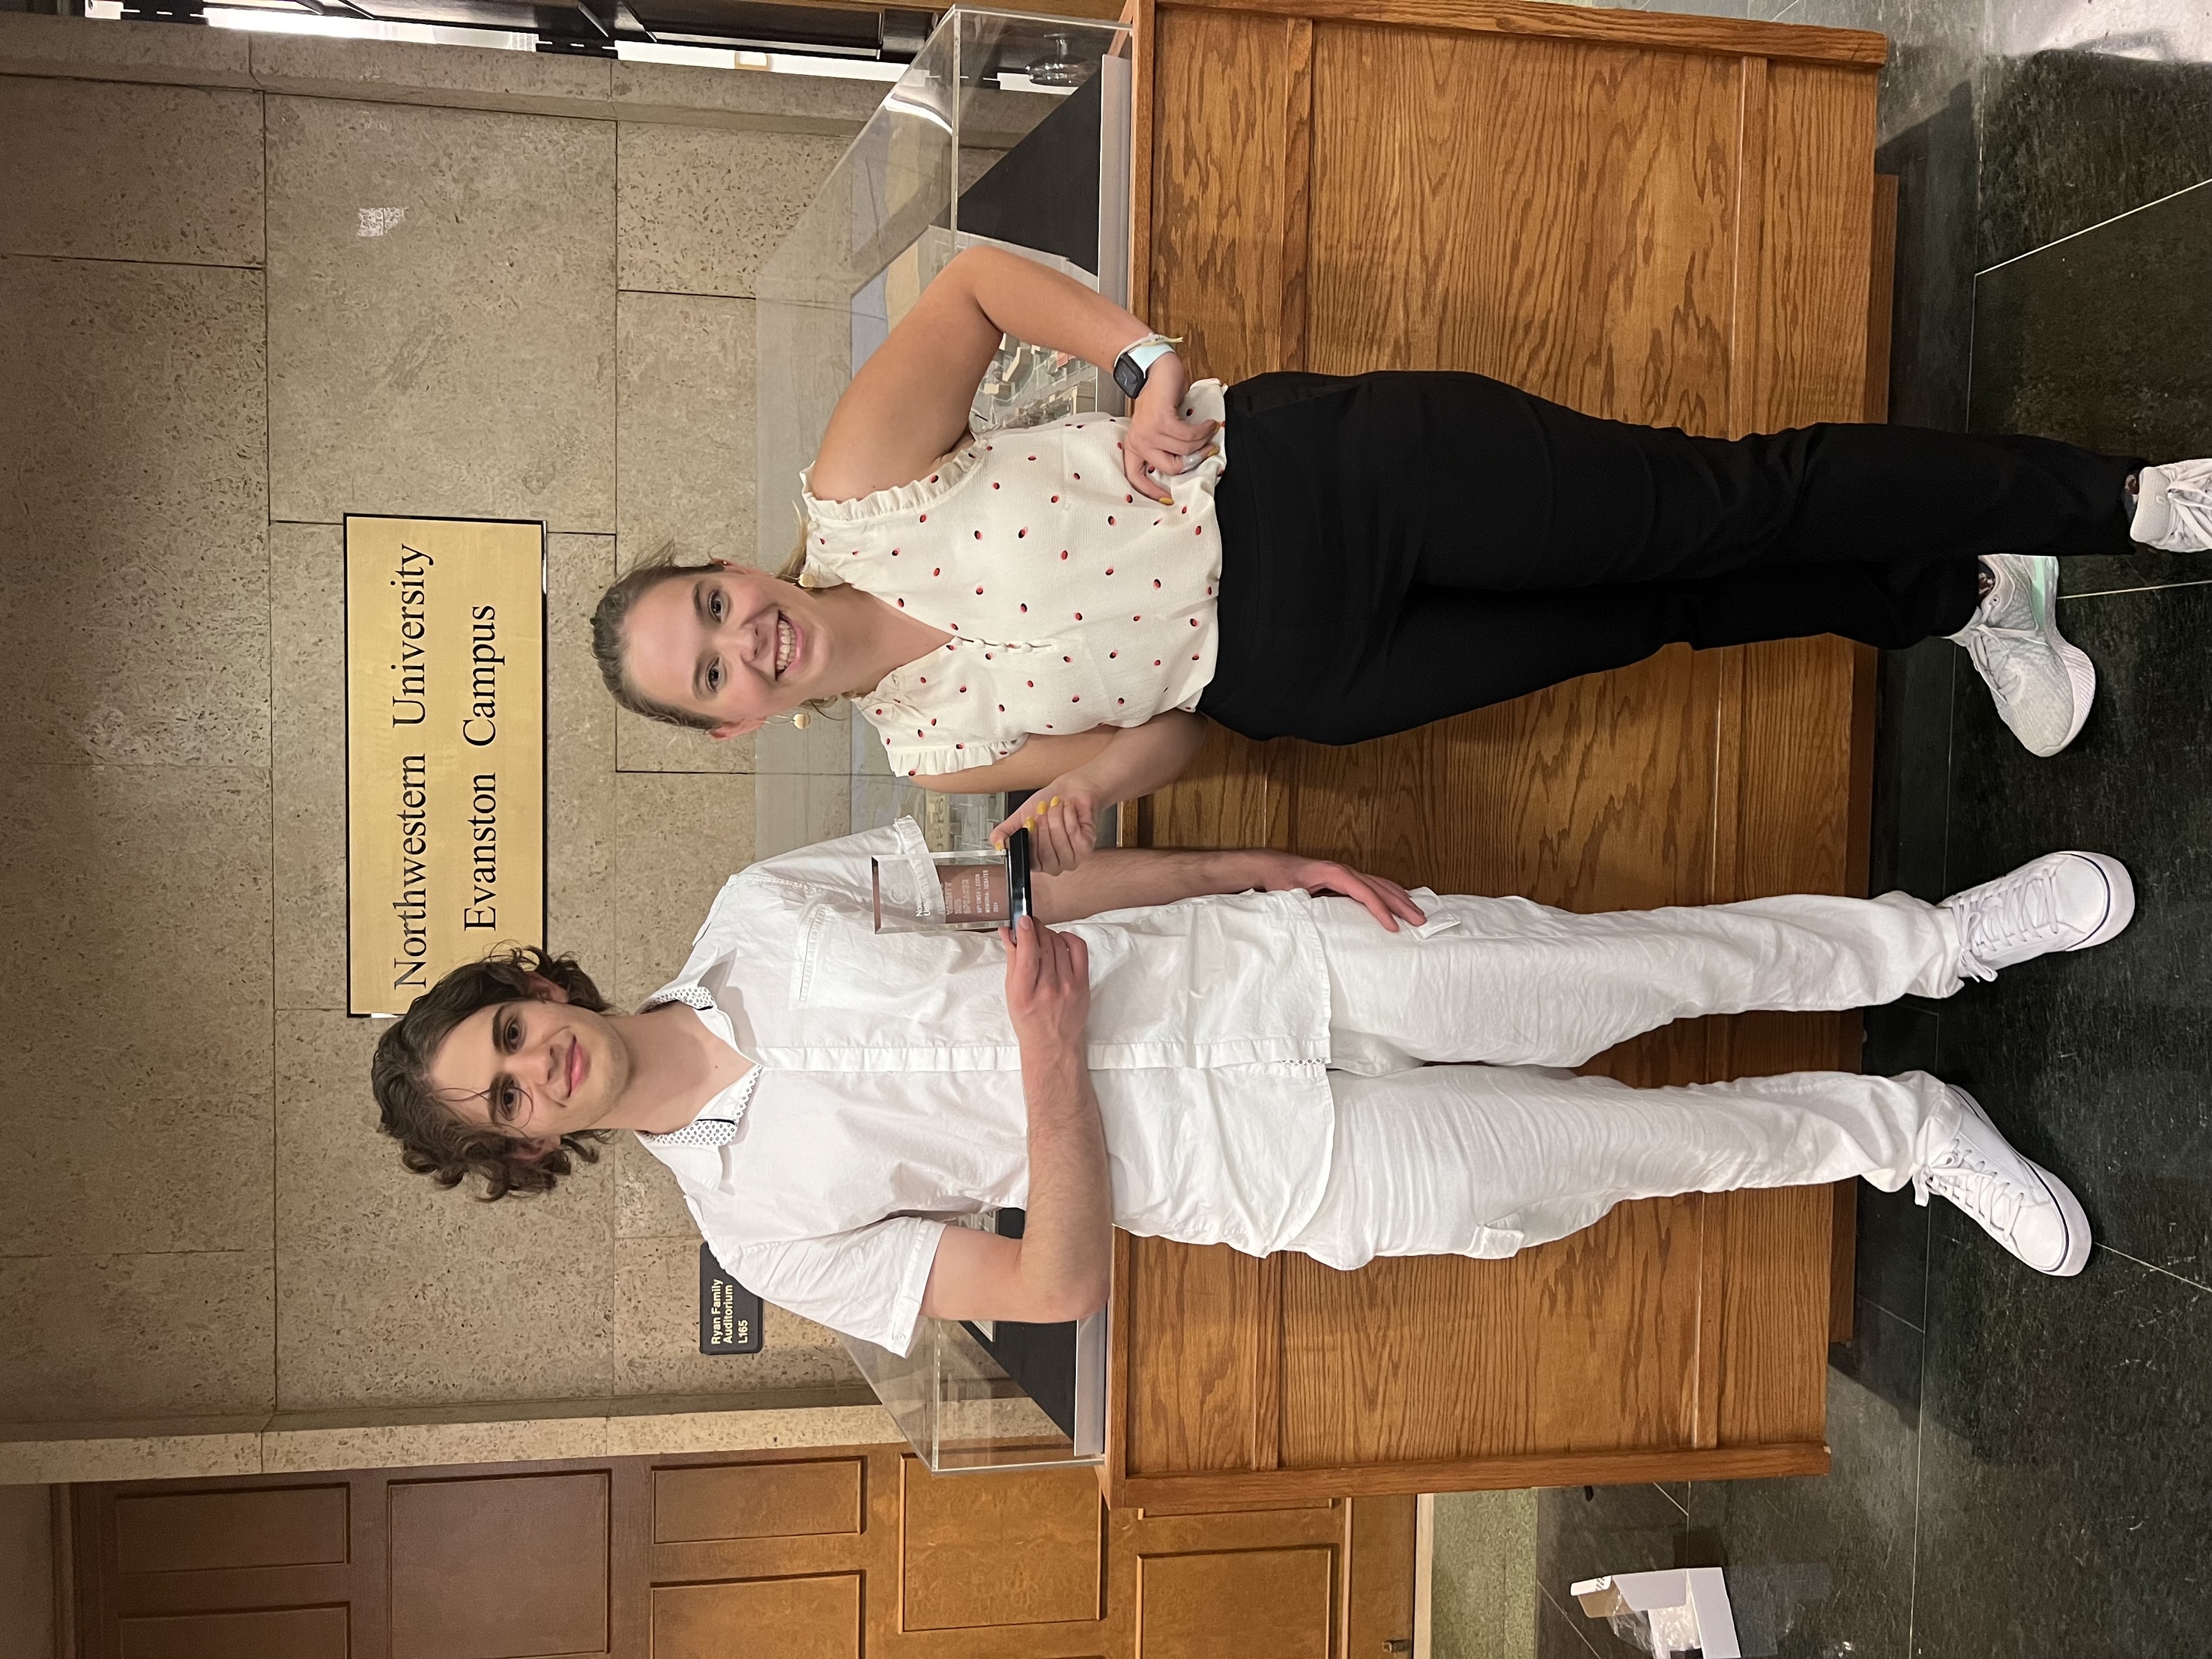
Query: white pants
x=1498, y=1150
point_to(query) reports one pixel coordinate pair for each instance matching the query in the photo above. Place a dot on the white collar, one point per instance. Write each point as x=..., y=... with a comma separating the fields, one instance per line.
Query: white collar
x=716, y=1124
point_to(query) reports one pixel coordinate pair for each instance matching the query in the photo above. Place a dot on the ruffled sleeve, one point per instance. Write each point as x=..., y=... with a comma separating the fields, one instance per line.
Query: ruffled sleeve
x=912, y=759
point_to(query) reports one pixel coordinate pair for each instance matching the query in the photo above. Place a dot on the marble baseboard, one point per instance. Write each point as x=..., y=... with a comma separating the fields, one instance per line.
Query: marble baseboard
x=297, y=1442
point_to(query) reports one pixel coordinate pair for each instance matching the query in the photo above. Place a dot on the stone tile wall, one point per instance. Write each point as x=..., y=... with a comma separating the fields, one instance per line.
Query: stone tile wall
x=247, y=287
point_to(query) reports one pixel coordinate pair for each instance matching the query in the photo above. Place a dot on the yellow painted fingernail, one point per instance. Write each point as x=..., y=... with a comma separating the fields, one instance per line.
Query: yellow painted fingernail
x=1054, y=801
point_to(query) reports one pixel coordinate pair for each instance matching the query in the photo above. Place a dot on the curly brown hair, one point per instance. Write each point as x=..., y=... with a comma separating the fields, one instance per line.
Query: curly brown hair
x=433, y=1140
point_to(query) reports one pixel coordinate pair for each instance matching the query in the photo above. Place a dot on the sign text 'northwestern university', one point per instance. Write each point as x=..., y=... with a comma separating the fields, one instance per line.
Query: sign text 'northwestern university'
x=445, y=749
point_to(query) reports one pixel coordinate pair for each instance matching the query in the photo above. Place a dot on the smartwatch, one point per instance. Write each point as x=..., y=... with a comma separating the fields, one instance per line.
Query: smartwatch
x=1131, y=367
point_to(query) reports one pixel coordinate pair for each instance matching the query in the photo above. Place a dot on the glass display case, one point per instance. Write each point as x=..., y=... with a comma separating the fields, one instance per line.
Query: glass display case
x=1008, y=129
x=1012, y=130
x=970, y=1396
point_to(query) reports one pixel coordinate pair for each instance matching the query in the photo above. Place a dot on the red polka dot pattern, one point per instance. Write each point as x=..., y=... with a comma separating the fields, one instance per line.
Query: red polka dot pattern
x=984, y=712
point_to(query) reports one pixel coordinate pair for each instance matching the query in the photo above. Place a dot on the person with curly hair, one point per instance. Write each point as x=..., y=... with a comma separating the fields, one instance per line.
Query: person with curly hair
x=451, y=1147
x=1243, y=1048
x=1062, y=608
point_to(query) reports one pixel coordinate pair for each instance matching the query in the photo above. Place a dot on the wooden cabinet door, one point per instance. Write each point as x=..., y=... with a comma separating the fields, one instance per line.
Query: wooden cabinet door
x=824, y=1553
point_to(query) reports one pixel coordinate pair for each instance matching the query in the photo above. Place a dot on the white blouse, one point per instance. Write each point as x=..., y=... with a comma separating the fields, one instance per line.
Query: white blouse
x=1072, y=601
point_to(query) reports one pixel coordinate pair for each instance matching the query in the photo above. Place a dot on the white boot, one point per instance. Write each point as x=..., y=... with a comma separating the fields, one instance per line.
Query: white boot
x=2043, y=686
x=2015, y=1200
x=2061, y=902
x=2173, y=507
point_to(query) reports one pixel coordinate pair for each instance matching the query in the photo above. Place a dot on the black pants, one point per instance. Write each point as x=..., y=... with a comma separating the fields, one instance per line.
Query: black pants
x=1398, y=548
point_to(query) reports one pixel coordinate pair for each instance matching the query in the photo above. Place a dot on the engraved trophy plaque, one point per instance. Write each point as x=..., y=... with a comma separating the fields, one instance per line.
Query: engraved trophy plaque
x=952, y=892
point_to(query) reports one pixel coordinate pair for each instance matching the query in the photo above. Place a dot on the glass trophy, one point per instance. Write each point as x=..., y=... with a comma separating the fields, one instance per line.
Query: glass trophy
x=952, y=892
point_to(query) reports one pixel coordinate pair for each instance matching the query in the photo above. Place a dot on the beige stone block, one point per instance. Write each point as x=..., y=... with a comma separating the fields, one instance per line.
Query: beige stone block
x=579, y=760
x=136, y=947
x=134, y=598
x=822, y=748
x=832, y=106
x=137, y=1335
x=656, y=1332
x=395, y=1291
x=648, y=1204
x=88, y=50
x=791, y=812
x=644, y=745
x=1482, y=1587
x=662, y=1433
x=701, y=208
x=678, y=837
x=802, y=365
x=440, y=313
x=112, y=172
x=307, y=750
x=509, y=1439
x=157, y=1449
x=685, y=426
x=547, y=83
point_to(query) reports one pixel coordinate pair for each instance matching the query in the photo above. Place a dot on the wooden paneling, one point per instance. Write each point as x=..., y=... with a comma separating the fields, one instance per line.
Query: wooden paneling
x=1527, y=210
x=983, y=1552
x=1664, y=220
x=1231, y=271
x=283, y=1633
x=1019, y=1565
x=1234, y=793
x=498, y=1568
x=1378, y=1362
x=1882, y=295
x=1535, y=19
x=1772, y=1288
x=204, y=1531
x=1251, y=1604
x=1567, y=1468
x=1812, y=274
x=755, y=1500
x=795, y=1618
x=1211, y=1318
x=1377, y=1611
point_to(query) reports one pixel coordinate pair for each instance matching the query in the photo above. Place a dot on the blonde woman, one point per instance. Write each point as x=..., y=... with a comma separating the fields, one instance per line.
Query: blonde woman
x=1062, y=608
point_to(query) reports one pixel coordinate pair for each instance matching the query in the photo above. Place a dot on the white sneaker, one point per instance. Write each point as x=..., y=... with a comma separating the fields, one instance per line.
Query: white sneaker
x=2015, y=1200
x=2173, y=507
x=2043, y=686
x=2062, y=901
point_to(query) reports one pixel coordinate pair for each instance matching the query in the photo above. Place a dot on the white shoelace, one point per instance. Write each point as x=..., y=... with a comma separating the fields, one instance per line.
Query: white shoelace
x=2192, y=504
x=1966, y=1178
x=2022, y=914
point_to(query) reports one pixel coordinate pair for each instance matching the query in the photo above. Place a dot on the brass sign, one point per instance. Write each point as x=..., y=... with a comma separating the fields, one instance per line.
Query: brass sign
x=445, y=749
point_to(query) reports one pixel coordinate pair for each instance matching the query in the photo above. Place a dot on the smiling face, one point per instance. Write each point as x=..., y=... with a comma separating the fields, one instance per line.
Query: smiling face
x=531, y=1070
x=733, y=644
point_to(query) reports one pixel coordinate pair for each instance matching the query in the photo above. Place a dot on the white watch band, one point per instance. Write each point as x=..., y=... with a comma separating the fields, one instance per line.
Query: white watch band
x=1145, y=353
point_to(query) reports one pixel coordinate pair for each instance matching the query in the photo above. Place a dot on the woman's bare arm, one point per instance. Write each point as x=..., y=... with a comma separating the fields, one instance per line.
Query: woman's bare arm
x=1124, y=878
x=1062, y=815
x=1032, y=766
x=909, y=404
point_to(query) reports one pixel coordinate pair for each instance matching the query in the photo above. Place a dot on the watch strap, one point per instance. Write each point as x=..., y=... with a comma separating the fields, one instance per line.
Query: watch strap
x=1135, y=363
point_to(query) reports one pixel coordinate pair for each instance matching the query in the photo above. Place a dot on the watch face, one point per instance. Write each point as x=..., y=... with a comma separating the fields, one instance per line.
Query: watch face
x=1129, y=377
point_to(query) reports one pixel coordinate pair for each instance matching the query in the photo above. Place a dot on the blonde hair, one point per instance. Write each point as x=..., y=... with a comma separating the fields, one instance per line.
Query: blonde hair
x=610, y=623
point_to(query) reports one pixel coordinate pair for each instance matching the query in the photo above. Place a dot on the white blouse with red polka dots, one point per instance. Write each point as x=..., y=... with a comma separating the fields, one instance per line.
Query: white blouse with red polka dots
x=1072, y=601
